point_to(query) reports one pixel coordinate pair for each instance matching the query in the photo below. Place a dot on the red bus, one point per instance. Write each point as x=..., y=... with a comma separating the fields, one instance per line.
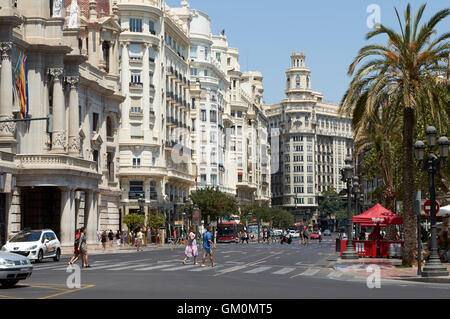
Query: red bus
x=228, y=232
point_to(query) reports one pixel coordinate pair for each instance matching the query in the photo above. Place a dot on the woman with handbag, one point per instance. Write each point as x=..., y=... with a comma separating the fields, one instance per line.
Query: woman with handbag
x=191, y=247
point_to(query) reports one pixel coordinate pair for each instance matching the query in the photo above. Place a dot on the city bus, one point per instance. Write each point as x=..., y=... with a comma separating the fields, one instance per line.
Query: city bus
x=228, y=232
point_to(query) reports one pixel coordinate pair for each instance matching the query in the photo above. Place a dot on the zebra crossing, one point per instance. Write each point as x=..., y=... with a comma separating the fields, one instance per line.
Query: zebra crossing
x=146, y=265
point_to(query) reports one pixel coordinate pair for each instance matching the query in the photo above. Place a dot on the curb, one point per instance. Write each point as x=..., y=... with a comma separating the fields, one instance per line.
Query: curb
x=435, y=280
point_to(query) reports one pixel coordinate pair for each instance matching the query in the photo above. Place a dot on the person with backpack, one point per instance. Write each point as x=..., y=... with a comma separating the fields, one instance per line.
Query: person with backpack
x=76, y=252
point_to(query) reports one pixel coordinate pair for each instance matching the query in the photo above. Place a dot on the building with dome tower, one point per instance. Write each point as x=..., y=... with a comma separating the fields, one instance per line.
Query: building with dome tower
x=313, y=144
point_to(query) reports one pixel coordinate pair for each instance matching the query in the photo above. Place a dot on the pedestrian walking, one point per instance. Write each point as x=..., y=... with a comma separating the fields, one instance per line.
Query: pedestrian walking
x=207, y=246
x=83, y=248
x=191, y=247
x=139, y=239
x=98, y=238
x=305, y=236
x=111, y=238
x=103, y=240
x=118, y=238
x=76, y=244
x=268, y=236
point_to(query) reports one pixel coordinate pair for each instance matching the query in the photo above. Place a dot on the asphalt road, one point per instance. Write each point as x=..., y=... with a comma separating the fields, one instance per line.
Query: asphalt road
x=252, y=271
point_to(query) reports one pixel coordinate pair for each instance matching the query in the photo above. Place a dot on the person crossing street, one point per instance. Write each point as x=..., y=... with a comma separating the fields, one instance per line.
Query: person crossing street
x=207, y=246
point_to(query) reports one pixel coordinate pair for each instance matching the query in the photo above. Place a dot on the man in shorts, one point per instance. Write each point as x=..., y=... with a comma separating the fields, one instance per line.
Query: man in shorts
x=207, y=246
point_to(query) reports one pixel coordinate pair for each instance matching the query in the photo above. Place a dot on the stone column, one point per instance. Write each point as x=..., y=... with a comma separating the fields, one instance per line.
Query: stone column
x=74, y=136
x=59, y=112
x=7, y=130
x=67, y=223
x=115, y=58
x=90, y=218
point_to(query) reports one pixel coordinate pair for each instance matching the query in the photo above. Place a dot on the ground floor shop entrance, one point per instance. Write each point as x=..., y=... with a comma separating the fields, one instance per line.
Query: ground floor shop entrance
x=41, y=208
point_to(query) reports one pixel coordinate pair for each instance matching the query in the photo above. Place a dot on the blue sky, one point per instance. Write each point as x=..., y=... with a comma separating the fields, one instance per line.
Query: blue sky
x=329, y=32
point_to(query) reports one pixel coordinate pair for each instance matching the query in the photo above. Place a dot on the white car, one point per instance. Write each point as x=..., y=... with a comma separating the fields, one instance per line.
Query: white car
x=35, y=244
x=294, y=234
x=13, y=268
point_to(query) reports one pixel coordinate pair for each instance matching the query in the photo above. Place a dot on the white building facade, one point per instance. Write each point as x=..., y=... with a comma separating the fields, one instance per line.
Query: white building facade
x=59, y=174
x=155, y=147
x=313, y=144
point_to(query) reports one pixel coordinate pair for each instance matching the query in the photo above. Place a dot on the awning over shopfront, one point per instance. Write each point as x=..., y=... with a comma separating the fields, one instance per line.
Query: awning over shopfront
x=377, y=215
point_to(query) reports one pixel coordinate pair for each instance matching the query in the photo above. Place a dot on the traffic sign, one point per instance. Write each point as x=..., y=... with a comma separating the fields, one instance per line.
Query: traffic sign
x=427, y=207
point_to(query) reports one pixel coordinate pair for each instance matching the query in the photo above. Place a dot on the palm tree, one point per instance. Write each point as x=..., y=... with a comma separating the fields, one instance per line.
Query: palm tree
x=380, y=133
x=407, y=70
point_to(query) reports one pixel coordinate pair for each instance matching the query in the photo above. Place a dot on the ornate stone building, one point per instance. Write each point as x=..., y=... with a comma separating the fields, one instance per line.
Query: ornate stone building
x=59, y=174
x=312, y=146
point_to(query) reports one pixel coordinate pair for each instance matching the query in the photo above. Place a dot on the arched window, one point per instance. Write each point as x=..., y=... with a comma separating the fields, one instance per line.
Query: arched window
x=297, y=81
x=288, y=85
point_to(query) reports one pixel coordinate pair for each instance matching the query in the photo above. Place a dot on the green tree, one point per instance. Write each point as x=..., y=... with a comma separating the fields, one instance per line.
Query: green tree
x=330, y=203
x=133, y=221
x=405, y=71
x=214, y=203
x=281, y=218
x=155, y=222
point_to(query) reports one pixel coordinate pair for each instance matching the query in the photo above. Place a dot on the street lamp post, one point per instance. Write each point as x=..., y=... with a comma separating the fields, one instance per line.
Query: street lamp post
x=433, y=267
x=356, y=194
x=349, y=252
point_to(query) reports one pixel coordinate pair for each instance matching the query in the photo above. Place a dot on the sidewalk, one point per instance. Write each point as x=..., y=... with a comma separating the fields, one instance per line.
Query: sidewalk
x=388, y=269
x=98, y=249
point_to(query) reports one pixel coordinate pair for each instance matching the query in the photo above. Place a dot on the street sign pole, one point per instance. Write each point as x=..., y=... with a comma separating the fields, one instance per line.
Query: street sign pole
x=419, y=240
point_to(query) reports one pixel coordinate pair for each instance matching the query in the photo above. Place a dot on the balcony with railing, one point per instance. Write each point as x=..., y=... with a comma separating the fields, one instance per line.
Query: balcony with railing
x=136, y=111
x=55, y=162
x=136, y=86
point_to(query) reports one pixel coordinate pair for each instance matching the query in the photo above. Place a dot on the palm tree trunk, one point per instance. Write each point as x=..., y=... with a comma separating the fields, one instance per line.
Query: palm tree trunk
x=389, y=197
x=409, y=217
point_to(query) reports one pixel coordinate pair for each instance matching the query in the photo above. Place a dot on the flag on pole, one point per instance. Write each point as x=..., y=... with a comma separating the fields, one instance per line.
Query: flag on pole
x=21, y=82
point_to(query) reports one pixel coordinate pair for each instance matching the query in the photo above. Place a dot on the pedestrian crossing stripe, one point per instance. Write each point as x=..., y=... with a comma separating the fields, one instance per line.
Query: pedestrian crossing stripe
x=154, y=267
x=310, y=272
x=284, y=271
x=335, y=274
x=205, y=268
x=257, y=270
x=127, y=267
x=180, y=267
x=109, y=266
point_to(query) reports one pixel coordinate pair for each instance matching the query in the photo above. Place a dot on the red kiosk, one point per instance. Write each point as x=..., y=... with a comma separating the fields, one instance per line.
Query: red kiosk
x=376, y=217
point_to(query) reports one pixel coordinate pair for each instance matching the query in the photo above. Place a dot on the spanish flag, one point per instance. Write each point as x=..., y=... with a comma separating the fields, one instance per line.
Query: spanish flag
x=21, y=82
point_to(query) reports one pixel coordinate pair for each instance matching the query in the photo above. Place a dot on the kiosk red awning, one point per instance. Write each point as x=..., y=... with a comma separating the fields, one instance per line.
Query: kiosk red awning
x=377, y=215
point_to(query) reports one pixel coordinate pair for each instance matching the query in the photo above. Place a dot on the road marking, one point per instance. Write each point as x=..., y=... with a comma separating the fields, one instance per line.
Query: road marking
x=300, y=262
x=257, y=270
x=232, y=269
x=246, y=265
x=168, y=261
x=127, y=267
x=284, y=271
x=155, y=267
x=60, y=267
x=205, y=268
x=68, y=291
x=108, y=266
x=311, y=272
x=181, y=267
x=335, y=274
x=307, y=272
